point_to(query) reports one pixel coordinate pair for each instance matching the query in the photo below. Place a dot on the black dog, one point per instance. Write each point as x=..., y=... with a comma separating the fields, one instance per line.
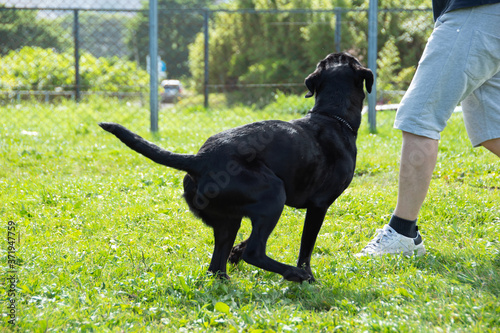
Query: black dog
x=256, y=169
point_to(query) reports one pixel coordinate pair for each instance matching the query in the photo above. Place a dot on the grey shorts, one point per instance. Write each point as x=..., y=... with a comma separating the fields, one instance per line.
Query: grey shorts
x=460, y=63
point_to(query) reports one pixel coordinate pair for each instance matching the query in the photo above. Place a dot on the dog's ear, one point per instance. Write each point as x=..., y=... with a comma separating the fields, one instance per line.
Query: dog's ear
x=367, y=75
x=311, y=82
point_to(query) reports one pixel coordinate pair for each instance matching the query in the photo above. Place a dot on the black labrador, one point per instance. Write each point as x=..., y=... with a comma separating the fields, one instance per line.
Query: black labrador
x=256, y=169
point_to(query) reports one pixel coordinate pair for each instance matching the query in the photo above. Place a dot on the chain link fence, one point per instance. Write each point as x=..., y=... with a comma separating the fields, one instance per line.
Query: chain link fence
x=52, y=51
x=58, y=50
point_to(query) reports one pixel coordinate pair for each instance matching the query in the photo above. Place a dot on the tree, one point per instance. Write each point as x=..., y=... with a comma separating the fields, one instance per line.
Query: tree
x=176, y=30
x=102, y=34
x=281, y=48
x=266, y=48
x=20, y=28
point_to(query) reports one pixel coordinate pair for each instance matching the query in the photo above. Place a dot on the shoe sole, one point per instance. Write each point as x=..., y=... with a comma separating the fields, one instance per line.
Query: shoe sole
x=419, y=251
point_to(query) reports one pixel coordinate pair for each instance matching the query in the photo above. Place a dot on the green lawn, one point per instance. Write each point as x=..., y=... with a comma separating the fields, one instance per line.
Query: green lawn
x=106, y=242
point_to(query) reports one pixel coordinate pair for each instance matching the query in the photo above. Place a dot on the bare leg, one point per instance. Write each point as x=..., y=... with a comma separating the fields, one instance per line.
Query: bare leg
x=493, y=146
x=418, y=159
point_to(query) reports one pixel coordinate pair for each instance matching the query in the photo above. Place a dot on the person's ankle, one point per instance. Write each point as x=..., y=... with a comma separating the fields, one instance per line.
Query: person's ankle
x=404, y=227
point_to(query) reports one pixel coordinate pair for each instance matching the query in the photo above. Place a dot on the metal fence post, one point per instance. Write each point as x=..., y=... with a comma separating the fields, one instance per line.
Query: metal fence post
x=205, y=32
x=76, y=33
x=338, y=28
x=372, y=62
x=153, y=64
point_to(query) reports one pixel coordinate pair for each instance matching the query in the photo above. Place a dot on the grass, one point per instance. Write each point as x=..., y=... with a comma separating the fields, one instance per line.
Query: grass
x=108, y=244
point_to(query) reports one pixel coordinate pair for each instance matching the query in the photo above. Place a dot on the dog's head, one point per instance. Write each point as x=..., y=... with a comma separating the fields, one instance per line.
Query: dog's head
x=339, y=70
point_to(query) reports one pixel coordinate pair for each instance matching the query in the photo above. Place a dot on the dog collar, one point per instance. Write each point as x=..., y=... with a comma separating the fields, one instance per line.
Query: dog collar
x=342, y=120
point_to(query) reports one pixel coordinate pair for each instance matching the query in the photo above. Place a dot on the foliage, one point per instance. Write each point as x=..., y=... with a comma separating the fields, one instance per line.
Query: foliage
x=107, y=243
x=289, y=104
x=265, y=48
x=20, y=28
x=279, y=47
x=389, y=64
x=247, y=51
x=176, y=30
x=100, y=34
x=34, y=68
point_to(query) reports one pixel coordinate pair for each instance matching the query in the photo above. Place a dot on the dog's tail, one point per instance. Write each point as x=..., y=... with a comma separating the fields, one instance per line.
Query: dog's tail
x=183, y=162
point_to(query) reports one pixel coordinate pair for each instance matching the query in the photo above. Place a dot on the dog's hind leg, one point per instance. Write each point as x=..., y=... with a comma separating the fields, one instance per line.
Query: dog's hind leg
x=225, y=233
x=264, y=216
x=312, y=225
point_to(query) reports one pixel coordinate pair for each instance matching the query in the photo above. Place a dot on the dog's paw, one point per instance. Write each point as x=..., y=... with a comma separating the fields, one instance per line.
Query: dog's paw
x=311, y=279
x=298, y=275
x=235, y=256
x=219, y=275
x=307, y=269
x=237, y=253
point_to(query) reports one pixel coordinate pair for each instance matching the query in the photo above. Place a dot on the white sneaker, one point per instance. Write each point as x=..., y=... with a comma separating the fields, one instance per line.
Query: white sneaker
x=388, y=241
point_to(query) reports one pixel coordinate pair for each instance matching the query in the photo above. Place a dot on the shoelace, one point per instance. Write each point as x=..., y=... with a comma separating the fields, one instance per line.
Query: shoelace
x=381, y=233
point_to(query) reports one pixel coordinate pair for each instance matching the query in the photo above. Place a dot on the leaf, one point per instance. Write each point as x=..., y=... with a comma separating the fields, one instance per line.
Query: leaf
x=24, y=288
x=403, y=292
x=222, y=307
x=184, y=285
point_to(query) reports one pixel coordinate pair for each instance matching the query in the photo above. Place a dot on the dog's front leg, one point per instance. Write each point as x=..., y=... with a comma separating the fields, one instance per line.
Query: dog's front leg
x=312, y=225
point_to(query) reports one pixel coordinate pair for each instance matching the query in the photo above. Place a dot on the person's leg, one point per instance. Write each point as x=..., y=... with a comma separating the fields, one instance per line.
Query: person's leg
x=444, y=78
x=422, y=115
x=481, y=111
x=493, y=146
x=418, y=159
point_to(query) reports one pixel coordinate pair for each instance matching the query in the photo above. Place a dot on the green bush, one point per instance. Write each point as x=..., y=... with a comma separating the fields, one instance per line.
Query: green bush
x=294, y=104
x=35, y=68
x=247, y=50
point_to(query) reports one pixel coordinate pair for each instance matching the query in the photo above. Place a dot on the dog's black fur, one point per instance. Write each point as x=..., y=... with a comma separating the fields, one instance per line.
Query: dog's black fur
x=256, y=169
